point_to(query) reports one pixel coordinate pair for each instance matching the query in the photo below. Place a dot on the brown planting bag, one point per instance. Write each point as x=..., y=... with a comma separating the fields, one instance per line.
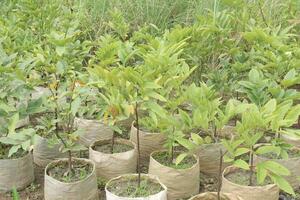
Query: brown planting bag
x=181, y=183
x=267, y=192
x=209, y=158
x=295, y=141
x=16, y=173
x=92, y=130
x=162, y=195
x=112, y=165
x=149, y=142
x=84, y=189
x=43, y=154
x=214, y=196
x=292, y=164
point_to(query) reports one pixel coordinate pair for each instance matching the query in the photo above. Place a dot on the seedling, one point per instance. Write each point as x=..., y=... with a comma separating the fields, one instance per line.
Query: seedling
x=209, y=115
x=64, y=83
x=22, y=139
x=254, y=122
x=112, y=100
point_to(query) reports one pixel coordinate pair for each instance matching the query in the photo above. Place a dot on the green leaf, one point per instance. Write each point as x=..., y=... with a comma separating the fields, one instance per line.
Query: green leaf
x=293, y=114
x=7, y=140
x=227, y=159
x=268, y=149
x=60, y=67
x=156, y=108
x=269, y=107
x=197, y=139
x=26, y=145
x=13, y=123
x=180, y=158
x=6, y=108
x=276, y=168
x=157, y=96
x=290, y=75
x=35, y=106
x=255, y=138
x=282, y=184
x=241, y=164
x=13, y=150
x=185, y=117
x=254, y=75
x=15, y=194
x=261, y=173
x=151, y=85
x=60, y=50
x=75, y=106
x=207, y=140
x=241, y=151
x=186, y=143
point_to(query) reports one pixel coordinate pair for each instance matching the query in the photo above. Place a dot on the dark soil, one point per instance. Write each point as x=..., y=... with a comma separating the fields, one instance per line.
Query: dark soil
x=118, y=148
x=208, y=183
x=164, y=159
x=80, y=171
x=128, y=187
x=242, y=177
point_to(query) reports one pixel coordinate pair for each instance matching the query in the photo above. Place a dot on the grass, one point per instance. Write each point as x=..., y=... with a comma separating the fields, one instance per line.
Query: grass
x=162, y=14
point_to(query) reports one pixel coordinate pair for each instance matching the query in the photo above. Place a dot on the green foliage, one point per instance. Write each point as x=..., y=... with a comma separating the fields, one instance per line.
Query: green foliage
x=22, y=139
x=255, y=121
x=238, y=60
x=15, y=194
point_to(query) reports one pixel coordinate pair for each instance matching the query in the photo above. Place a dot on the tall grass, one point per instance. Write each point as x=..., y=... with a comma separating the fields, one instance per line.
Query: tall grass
x=162, y=13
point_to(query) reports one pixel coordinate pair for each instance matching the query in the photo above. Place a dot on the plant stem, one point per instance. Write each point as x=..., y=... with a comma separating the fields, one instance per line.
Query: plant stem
x=251, y=167
x=70, y=128
x=172, y=148
x=138, y=142
x=172, y=154
x=235, y=117
x=112, y=143
x=220, y=174
x=262, y=14
x=70, y=168
x=215, y=134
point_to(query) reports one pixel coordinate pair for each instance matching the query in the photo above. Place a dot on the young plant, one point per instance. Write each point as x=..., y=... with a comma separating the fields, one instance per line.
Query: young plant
x=63, y=58
x=16, y=140
x=259, y=88
x=285, y=115
x=66, y=105
x=209, y=116
x=15, y=107
x=254, y=122
x=112, y=100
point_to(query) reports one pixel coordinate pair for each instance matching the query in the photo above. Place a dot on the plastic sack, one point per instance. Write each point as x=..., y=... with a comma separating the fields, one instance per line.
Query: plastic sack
x=112, y=165
x=92, y=130
x=83, y=189
x=162, y=195
x=16, y=173
x=267, y=192
x=181, y=183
